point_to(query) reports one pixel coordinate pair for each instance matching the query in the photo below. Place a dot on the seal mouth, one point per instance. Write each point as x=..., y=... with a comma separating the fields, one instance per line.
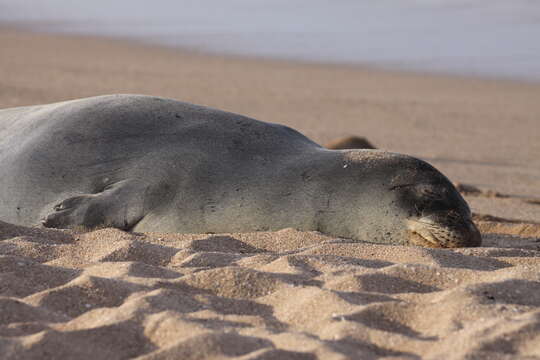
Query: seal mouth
x=428, y=232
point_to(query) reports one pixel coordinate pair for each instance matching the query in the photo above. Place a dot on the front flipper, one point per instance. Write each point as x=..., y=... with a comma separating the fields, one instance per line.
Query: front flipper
x=120, y=205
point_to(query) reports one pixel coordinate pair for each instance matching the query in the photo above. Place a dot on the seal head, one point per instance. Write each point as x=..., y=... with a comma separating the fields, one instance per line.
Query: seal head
x=406, y=200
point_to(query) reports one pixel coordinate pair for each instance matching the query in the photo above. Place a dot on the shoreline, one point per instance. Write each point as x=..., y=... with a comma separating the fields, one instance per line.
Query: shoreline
x=193, y=51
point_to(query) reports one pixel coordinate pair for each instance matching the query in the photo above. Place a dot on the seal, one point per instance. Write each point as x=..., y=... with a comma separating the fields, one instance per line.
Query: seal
x=150, y=164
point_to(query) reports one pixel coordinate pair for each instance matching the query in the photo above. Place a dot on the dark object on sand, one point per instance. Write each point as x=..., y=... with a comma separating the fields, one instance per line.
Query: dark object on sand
x=350, y=142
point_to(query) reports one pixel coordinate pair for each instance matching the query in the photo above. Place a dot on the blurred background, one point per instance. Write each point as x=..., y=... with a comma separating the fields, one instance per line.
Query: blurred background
x=493, y=38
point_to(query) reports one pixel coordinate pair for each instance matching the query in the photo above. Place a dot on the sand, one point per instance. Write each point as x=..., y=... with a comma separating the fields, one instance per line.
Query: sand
x=287, y=294
x=108, y=294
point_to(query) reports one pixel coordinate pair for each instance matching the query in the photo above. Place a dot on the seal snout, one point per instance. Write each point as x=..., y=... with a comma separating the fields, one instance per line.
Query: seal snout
x=443, y=231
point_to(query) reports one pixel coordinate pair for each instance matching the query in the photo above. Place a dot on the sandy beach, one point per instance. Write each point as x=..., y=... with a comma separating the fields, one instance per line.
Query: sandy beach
x=286, y=294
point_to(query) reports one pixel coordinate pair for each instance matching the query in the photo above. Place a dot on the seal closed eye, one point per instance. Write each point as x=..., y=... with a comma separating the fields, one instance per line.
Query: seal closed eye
x=152, y=164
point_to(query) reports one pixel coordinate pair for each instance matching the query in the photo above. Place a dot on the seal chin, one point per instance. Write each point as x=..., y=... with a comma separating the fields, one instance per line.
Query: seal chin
x=439, y=231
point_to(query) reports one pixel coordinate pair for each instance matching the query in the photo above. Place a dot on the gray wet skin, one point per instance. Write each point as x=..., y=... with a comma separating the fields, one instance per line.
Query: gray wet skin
x=150, y=164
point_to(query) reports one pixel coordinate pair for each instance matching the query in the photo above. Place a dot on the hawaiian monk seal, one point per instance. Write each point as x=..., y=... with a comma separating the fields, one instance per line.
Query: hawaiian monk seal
x=150, y=164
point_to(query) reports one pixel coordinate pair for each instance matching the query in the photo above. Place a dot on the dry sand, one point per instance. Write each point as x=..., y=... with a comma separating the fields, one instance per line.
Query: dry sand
x=284, y=295
x=108, y=294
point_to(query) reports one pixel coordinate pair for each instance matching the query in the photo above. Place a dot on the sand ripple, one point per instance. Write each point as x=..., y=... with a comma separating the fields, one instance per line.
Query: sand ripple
x=108, y=294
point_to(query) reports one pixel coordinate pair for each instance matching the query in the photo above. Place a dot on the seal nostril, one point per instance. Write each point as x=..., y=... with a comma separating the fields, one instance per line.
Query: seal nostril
x=476, y=236
x=470, y=233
